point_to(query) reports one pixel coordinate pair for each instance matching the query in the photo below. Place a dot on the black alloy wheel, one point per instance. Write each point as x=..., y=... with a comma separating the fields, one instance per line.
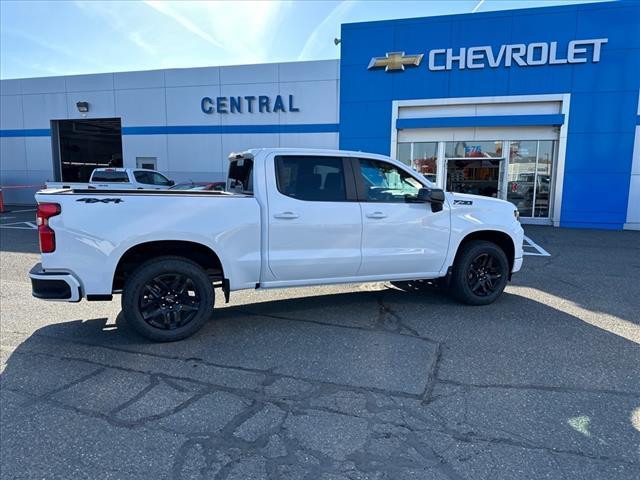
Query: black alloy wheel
x=169, y=301
x=480, y=273
x=168, y=298
x=483, y=275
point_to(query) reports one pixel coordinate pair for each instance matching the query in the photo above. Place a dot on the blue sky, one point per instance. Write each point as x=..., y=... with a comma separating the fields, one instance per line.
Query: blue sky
x=72, y=37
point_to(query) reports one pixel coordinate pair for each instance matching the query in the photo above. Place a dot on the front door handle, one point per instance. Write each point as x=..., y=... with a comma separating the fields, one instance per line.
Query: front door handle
x=286, y=215
x=376, y=215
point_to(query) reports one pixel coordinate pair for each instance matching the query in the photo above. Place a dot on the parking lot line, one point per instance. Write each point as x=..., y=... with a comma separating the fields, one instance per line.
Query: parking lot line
x=24, y=225
x=540, y=252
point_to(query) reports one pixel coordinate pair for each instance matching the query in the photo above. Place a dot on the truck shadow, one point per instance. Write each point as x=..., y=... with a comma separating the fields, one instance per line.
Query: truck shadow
x=496, y=376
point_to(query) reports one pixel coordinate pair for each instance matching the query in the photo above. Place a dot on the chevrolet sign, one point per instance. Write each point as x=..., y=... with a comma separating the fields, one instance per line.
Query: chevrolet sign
x=520, y=54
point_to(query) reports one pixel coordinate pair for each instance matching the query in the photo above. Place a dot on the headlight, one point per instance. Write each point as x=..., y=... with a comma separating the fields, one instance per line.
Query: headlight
x=516, y=214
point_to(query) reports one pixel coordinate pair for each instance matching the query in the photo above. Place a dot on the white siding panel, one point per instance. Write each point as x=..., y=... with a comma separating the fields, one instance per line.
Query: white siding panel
x=12, y=156
x=195, y=153
x=266, y=72
x=141, y=107
x=43, y=85
x=192, y=77
x=307, y=71
x=39, y=154
x=86, y=83
x=101, y=104
x=317, y=101
x=11, y=117
x=310, y=140
x=183, y=105
x=40, y=109
x=148, y=79
x=11, y=87
x=145, y=146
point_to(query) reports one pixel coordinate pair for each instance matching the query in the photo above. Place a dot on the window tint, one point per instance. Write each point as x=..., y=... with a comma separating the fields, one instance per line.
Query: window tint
x=311, y=178
x=383, y=182
x=110, y=176
x=150, y=178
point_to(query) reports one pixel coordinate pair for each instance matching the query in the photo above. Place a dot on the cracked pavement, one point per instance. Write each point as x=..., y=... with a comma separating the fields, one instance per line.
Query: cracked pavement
x=377, y=381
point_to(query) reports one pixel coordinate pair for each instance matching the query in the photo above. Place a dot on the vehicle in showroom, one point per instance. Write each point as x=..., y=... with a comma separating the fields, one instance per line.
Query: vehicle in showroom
x=289, y=217
x=121, y=179
x=218, y=186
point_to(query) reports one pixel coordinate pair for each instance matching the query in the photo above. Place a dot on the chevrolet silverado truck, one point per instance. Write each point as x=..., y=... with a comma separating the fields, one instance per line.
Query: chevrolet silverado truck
x=288, y=218
x=119, y=178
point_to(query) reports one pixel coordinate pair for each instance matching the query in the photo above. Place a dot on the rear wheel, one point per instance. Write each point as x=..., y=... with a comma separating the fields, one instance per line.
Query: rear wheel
x=168, y=299
x=480, y=273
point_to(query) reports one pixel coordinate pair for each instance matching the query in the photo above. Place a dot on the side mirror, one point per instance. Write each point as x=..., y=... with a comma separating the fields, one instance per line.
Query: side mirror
x=434, y=196
x=171, y=183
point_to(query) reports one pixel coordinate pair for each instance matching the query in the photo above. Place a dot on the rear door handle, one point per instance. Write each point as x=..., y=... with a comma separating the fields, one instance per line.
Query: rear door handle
x=376, y=215
x=286, y=215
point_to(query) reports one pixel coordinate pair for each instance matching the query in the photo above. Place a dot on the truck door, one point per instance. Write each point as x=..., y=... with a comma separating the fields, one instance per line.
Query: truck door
x=315, y=225
x=399, y=237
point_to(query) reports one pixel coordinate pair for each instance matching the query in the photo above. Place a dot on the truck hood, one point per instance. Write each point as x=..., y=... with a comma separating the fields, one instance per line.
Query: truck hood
x=475, y=202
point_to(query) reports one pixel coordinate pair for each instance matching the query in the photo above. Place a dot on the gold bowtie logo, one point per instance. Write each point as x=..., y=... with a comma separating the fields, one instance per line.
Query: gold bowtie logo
x=395, y=61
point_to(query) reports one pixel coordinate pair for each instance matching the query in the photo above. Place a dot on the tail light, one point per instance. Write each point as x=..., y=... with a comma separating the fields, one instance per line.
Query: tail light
x=46, y=235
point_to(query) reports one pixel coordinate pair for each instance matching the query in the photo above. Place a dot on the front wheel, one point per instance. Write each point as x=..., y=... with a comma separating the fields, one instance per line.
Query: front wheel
x=480, y=273
x=168, y=299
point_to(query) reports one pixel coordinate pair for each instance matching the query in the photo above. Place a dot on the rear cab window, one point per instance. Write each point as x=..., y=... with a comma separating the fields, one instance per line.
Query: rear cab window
x=110, y=176
x=311, y=178
x=240, y=177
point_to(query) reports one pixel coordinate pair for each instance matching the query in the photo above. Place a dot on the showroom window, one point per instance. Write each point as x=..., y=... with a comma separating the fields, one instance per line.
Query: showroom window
x=421, y=156
x=529, y=177
x=474, y=167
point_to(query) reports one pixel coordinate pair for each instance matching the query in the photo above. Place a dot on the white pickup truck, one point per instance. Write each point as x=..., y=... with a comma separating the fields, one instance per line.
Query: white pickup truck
x=121, y=179
x=289, y=217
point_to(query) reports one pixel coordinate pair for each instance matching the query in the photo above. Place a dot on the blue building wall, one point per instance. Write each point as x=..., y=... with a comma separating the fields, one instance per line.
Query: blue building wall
x=604, y=95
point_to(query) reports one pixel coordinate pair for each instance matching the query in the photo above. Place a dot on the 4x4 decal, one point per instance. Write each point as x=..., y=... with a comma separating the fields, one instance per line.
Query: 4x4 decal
x=463, y=202
x=100, y=200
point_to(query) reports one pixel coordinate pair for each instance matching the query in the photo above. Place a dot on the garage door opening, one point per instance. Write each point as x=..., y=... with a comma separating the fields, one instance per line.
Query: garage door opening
x=83, y=145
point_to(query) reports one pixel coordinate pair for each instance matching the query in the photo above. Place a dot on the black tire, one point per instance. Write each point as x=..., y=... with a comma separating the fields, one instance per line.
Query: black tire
x=167, y=299
x=480, y=273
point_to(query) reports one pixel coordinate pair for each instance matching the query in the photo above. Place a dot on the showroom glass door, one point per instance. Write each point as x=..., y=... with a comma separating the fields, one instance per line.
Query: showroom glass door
x=421, y=156
x=475, y=167
x=530, y=176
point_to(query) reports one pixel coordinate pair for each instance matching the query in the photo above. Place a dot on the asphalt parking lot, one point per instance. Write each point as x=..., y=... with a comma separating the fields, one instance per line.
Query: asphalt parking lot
x=353, y=382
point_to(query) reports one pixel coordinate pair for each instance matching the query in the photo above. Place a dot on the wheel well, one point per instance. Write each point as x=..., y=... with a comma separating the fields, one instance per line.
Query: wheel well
x=137, y=255
x=501, y=239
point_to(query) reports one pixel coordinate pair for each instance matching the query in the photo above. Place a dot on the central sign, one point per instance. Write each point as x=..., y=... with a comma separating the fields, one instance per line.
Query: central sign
x=248, y=104
x=520, y=54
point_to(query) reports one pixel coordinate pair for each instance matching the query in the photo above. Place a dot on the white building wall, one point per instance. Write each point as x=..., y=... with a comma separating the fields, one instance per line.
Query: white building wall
x=163, y=98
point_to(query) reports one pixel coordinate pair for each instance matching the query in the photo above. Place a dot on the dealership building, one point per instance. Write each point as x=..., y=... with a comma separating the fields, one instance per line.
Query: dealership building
x=536, y=106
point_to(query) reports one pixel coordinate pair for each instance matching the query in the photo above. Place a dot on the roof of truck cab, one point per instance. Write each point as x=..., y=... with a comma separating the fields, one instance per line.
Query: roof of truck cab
x=312, y=151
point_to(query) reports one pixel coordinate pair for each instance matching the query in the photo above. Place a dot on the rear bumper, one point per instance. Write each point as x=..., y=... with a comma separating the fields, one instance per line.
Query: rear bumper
x=56, y=286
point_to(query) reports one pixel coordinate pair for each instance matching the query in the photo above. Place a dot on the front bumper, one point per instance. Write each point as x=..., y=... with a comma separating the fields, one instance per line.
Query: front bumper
x=517, y=265
x=56, y=286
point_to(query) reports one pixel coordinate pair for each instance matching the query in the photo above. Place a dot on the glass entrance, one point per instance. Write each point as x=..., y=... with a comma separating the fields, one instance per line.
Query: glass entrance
x=475, y=167
x=520, y=171
x=529, y=178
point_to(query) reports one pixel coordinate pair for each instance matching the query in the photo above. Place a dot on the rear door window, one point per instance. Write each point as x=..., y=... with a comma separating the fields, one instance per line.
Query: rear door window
x=151, y=178
x=311, y=178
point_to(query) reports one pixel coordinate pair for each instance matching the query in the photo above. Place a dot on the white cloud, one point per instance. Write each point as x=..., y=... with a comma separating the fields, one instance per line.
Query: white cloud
x=326, y=31
x=244, y=28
